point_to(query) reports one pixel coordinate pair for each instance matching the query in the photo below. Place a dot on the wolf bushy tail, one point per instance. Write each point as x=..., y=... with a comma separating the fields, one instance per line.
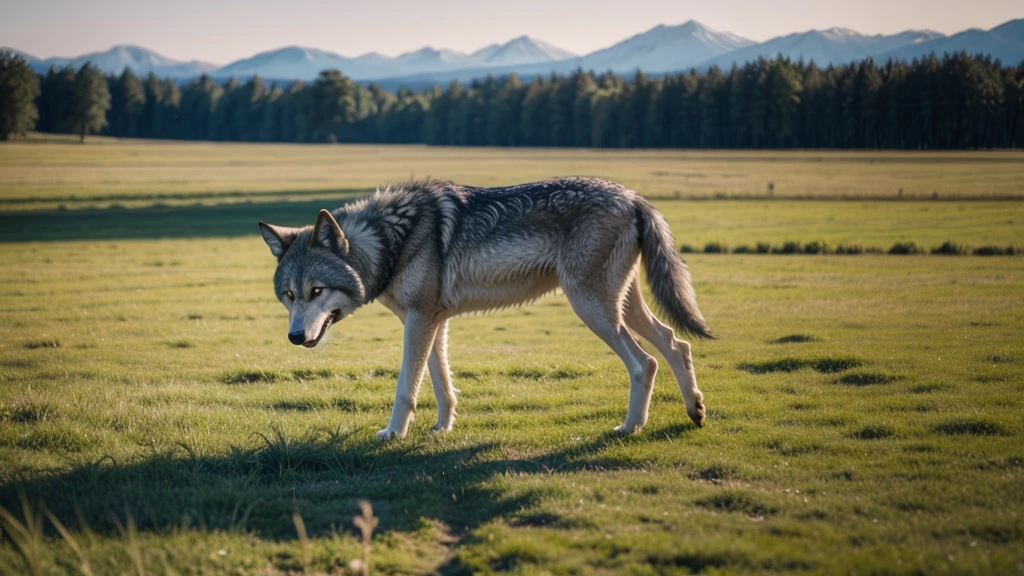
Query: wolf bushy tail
x=667, y=273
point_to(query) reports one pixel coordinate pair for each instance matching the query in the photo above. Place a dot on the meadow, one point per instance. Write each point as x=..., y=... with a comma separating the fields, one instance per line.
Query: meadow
x=863, y=410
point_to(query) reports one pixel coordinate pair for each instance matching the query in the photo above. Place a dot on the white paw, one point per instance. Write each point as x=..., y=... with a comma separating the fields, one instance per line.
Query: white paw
x=440, y=428
x=627, y=430
x=387, y=434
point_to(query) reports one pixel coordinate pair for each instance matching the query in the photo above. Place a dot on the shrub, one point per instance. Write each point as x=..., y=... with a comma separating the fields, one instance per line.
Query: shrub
x=787, y=248
x=951, y=248
x=686, y=249
x=849, y=249
x=994, y=251
x=763, y=248
x=906, y=248
x=744, y=249
x=817, y=247
x=715, y=248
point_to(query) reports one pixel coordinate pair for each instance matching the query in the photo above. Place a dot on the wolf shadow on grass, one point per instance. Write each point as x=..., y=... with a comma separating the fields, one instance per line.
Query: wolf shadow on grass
x=321, y=475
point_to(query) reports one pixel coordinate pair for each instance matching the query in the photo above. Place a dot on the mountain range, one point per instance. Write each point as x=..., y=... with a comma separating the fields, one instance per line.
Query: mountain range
x=658, y=50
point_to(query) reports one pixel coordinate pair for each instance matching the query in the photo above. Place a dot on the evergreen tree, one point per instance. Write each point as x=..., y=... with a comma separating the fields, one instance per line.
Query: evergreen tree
x=127, y=99
x=958, y=101
x=92, y=100
x=56, y=100
x=19, y=87
x=331, y=106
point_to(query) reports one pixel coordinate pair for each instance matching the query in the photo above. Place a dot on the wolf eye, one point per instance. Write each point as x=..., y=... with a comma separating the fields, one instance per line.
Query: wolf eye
x=316, y=292
x=289, y=294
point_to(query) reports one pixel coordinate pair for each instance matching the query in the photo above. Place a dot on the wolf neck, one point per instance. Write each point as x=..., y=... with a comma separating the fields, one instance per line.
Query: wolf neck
x=378, y=230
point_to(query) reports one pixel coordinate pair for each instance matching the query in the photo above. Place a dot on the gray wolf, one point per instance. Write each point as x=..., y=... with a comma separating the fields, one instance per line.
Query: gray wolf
x=432, y=250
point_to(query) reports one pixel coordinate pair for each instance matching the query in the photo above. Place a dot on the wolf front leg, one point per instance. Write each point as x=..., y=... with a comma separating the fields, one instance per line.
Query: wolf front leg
x=420, y=330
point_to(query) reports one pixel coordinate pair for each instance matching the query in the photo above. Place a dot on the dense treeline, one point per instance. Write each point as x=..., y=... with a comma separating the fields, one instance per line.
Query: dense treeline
x=954, y=102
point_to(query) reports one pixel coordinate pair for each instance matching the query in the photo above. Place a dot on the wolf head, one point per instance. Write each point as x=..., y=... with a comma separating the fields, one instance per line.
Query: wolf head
x=313, y=280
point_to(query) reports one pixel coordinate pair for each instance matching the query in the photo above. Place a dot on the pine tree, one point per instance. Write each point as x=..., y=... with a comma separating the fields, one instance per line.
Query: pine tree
x=92, y=100
x=19, y=87
x=127, y=99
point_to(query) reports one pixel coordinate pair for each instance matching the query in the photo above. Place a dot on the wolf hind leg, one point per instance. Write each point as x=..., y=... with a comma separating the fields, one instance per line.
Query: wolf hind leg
x=604, y=320
x=677, y=352
x=440, y=377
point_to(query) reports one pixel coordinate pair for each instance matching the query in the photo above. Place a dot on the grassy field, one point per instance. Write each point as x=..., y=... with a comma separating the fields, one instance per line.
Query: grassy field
x=864, y=411
x=51, y=173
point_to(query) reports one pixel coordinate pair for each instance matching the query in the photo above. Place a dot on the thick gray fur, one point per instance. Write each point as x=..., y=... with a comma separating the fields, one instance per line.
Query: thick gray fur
x=432, y=250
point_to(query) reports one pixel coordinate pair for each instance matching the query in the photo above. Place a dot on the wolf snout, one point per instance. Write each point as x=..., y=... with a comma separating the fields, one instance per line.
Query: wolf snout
x=297, y=337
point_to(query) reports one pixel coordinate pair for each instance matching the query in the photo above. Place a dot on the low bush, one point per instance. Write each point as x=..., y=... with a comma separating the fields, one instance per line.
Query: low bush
x=994, y=251
x=950, y=248
x=906, y=248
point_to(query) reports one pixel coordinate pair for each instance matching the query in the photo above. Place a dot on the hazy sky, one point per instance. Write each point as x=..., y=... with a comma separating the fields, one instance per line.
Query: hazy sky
x=225, y=30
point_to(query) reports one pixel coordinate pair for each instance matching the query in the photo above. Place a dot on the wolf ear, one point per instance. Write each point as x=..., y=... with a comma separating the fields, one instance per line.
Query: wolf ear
x=327, y=234
x=278, y=238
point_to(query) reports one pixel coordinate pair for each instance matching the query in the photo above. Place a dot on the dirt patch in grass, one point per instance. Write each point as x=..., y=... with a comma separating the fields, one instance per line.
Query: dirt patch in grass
x=971, y=427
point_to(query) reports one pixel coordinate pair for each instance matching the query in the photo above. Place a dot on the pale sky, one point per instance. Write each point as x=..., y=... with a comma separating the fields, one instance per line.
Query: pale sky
x=220, y=31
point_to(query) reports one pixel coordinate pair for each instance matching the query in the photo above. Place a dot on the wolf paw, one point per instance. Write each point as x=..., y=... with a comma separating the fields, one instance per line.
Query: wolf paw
x=698, y=415
x=387, y=434
x=439, y=428
x=697, y=412
x=625, y=431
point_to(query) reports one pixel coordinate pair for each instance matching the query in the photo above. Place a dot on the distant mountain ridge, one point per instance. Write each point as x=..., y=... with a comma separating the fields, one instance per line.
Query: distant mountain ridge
x=661, y=49
x=832, y=46
x=140, y=60
x=1004, y=42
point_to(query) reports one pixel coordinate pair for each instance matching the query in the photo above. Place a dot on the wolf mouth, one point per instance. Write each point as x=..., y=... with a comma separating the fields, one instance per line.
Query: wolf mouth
x=333, y=317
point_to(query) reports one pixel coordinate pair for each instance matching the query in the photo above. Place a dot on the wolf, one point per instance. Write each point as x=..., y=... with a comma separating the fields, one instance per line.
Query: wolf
x=432, y=250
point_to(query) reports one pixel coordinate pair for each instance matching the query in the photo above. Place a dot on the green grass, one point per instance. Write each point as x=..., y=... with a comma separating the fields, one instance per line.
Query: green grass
x=864, y=411
x=53, y=172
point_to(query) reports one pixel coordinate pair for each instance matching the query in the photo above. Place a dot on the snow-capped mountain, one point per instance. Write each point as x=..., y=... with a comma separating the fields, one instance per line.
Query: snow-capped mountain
x=140, y=60
x=295, y=62
x=298, y=63
x=660, y=49
x=521, y=50
x=1005, y=42
x=486, y=52
x=428, y=59
x=665, y=48
x=824, y=47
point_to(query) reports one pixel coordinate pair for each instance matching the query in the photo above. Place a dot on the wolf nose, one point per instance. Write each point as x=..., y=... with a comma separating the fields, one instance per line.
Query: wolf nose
x=297, y=337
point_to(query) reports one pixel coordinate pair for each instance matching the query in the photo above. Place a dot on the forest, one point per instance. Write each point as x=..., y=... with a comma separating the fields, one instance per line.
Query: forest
x=957, y=101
